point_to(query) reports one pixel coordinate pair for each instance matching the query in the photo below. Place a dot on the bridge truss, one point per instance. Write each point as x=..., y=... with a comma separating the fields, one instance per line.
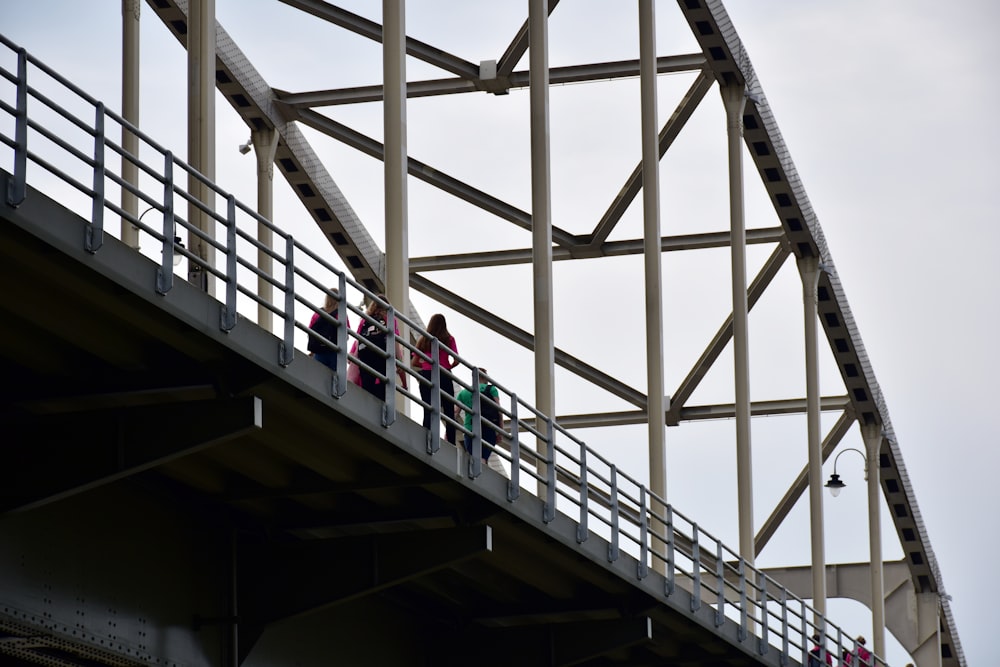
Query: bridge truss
x=302, y=118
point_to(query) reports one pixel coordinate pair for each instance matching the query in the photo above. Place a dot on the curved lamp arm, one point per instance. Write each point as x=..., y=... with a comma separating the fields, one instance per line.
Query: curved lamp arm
x=835, y=484
x=177, y=240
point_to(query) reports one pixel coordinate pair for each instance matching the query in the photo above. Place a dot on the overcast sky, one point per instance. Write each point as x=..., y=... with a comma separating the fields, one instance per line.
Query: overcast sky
x=884, y=106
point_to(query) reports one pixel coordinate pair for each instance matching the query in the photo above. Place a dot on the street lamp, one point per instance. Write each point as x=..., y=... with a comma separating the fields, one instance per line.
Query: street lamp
x=836, y=484
x=177, y=240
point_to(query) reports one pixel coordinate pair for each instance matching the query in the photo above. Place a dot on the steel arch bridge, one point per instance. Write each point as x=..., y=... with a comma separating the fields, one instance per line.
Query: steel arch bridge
x=916, y=608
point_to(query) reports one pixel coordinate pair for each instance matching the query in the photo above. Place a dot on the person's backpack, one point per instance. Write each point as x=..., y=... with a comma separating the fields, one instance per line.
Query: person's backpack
x=489, y=411
x=372, y=336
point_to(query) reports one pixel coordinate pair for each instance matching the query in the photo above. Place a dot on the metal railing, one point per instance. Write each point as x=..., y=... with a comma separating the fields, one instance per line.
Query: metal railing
x=79, y=158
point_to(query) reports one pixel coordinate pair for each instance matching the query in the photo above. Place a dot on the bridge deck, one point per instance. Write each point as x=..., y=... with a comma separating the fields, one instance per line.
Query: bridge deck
x=256, y=496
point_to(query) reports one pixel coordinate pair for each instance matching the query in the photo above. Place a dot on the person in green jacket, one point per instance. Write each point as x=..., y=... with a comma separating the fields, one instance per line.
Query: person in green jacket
x=490, y=412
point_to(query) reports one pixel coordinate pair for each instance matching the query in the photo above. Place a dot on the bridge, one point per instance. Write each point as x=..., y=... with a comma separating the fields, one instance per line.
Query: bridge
x=184, y=486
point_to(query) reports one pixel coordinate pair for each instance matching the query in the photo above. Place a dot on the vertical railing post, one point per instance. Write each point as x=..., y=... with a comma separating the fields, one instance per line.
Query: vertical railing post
x=549, y=512
x=765, y=621
x=695, y=569
x=93, y=238
x=514, y=483
x=805, y=635
x=434, y=432
x=476, y=455
x=783, y=658
x=643, y=568
x=389, y=408
x=165, y=274
x=582, y=531
x=668, y=585
x=286, y=349
x=720, y=583
x=743, y=599
x=339, y=381
x=613, y=551
x=18, y=185
x=228, y=315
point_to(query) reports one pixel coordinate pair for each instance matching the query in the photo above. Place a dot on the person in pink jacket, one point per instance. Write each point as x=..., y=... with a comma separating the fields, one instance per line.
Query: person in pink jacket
x=438, y=328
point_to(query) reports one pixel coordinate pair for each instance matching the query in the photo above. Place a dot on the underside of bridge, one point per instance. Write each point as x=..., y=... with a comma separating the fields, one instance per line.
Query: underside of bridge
x=192, y=505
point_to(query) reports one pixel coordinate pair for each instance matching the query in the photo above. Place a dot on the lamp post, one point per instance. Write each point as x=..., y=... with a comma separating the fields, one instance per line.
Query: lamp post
x=177, y=240
x=264, y=143
x=834, y=483
x=872, y=435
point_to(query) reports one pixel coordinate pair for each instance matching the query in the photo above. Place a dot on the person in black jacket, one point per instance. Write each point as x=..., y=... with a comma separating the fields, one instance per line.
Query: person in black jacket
x=327, y=328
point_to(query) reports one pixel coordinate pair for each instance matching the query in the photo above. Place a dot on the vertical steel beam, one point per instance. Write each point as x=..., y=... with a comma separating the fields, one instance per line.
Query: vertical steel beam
x=872, y=435
x=201, y=134
x=656, y=401
x=130, y=112
x=809, y=271
x=397, y=254
x=265, y=144
x=735, y=101
x=394, y=121
x=541, y=216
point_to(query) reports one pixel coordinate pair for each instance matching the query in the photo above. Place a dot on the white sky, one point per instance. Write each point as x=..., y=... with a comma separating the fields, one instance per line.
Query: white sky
x=884, y=106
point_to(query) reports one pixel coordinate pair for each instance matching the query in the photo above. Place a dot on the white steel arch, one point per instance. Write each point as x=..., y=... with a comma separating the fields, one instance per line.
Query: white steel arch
x=720, y=59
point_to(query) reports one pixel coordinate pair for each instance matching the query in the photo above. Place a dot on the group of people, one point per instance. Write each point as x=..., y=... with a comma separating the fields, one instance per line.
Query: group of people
x=862, y=657
x=437, y=328
x=369, y=349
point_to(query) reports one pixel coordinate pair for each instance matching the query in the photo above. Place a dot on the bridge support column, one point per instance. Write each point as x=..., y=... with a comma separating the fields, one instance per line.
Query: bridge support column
x=397, y=248
x=130, y=112
x=809, y=270
x=265, y=144
x=734, y=97
x=541, y=217
x=872, y=435
x=397, y=256
x=656, y=402
x=201, y=134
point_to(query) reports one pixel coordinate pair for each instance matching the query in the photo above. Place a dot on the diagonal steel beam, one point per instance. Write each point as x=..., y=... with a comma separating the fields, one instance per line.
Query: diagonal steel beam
x=563, y=643
x=520, y=336
x=362, y=26
x=251, y=97
x=798, y=487
x=282, y=580
x=633, y=184
x=96, y=448
x=428, y=174
x=518, y=46
x=721, y=339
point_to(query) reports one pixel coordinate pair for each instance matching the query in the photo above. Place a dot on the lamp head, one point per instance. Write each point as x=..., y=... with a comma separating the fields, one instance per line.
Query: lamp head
x=177, y=256
x=835, y=485
x=245, y=148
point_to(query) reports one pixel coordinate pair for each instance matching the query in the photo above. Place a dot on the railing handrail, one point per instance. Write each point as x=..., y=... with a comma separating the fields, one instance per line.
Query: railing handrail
x=716, y=574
